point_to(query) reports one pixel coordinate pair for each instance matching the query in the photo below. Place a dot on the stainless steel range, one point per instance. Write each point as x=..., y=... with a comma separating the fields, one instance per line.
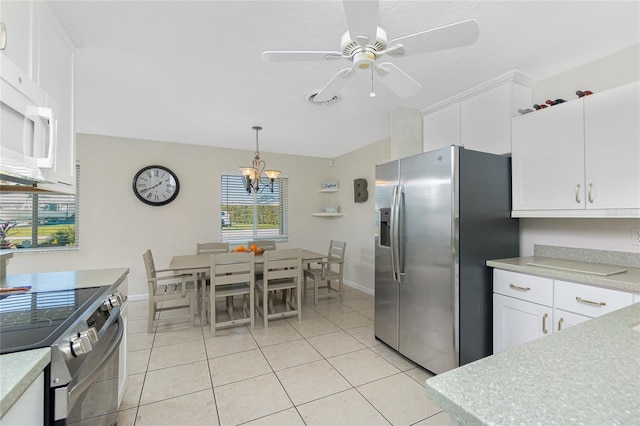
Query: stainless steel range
x=83, y=328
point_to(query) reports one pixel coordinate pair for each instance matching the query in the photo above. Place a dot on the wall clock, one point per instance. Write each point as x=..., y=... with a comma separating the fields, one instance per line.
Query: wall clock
x=156, y=185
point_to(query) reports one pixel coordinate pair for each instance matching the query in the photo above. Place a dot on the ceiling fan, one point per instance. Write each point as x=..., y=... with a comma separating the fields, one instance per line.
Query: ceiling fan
x=365, y=42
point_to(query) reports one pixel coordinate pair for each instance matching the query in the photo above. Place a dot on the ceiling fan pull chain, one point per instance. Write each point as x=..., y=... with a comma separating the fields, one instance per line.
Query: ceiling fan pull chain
x=372, y=94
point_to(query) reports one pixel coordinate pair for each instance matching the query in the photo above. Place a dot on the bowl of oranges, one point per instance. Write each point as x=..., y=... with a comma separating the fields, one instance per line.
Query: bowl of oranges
x=254, y=248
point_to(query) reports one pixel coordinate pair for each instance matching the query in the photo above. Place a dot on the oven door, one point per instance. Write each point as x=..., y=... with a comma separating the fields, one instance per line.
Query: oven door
x=92, y=394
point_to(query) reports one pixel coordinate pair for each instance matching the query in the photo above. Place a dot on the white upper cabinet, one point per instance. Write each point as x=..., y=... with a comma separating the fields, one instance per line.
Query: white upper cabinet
x=41, y=48
x=579, y=158
x=480, y=118
x=485, y=120
x=612, y=148
x=55, y=59
x=442, y=128
x=17, y=16
x=548, y=158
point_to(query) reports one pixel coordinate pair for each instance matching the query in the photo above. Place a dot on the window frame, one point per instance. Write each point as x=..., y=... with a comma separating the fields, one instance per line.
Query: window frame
x=238, y=193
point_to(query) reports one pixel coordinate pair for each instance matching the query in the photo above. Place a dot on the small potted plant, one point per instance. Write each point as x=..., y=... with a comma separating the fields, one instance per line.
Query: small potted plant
x=5, y=228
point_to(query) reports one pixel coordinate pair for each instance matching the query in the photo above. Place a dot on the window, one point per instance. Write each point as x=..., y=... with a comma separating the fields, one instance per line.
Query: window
x=247, y=216
x=39, y=220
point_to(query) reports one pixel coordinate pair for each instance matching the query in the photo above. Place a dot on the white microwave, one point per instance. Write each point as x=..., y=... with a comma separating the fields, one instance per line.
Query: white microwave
x=28, y=127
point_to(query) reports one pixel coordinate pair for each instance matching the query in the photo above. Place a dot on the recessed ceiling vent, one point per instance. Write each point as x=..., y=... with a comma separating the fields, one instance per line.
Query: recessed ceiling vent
x=311, y=98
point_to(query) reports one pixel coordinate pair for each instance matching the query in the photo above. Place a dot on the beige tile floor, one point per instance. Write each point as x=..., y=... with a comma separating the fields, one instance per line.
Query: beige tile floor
x=327, y=369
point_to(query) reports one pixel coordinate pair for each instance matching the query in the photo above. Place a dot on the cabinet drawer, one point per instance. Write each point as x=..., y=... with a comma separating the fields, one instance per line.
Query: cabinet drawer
x=522, y=286
x=588, y=300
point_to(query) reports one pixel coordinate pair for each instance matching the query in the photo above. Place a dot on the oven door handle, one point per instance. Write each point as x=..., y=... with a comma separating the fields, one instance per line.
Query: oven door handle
x=83, y=384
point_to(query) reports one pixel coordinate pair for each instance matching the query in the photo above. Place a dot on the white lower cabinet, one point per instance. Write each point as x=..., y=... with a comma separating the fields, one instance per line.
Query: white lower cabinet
x=516, y=322
x=526, y=307
x=563, y=319
x=29, y=408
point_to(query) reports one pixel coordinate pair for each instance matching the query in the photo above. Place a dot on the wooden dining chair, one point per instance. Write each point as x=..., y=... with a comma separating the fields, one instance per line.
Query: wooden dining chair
x=212, y=248
x=264, y=244
x=232, y=274
x=166, y=286
x=327, y=271
x=281, y=272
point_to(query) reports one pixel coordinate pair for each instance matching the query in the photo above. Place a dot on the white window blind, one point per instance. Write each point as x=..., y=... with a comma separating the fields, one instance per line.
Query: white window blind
x=253, y=216
x=39, y=220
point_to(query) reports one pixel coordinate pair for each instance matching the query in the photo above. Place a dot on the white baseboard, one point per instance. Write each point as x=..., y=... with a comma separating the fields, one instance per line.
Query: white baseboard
x=363, y=289
x=141, y=297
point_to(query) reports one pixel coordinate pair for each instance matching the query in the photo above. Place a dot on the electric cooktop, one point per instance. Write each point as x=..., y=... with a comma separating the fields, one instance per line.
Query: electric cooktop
x=31, y=320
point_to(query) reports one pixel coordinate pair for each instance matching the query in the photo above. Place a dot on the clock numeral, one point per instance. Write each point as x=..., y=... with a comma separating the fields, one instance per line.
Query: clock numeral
x=143, y=191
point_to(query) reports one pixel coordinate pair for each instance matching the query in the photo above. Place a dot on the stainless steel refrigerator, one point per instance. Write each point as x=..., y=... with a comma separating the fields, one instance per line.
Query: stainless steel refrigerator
x=440, y=215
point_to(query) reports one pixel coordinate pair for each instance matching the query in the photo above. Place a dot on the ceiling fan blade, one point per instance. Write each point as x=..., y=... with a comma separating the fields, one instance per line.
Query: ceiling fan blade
x=447, y=37
x=333, y=87
x=397, y=80
x=362, y=19
x=299, y=55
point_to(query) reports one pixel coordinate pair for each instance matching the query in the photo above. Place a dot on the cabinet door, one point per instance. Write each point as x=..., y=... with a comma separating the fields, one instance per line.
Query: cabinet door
x=441, y=128
x=485, y=121
x=17, y=16
x=55, y=58
x=612, y=148
x=516, y=322
x=563, y=319
x=548, y=158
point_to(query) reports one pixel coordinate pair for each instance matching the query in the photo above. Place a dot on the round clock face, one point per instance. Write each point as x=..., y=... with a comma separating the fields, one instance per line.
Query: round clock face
x=156, y=185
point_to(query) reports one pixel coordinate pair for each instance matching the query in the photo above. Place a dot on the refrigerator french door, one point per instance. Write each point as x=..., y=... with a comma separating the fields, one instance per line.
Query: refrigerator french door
x=440, y=216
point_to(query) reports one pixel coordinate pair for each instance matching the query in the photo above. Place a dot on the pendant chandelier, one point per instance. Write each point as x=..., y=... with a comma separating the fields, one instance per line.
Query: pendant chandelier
x=253, y=173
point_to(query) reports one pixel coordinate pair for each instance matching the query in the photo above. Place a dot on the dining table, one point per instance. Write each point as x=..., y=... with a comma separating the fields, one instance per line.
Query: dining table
x=200, y=265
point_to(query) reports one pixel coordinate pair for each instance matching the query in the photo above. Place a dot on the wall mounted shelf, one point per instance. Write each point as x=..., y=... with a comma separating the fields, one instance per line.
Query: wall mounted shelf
x=326, y=214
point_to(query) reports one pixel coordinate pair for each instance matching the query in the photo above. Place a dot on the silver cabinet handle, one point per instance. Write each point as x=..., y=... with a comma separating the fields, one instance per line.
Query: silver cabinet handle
x=589, y=188
x=3, y=35
x=589, y=302
x=560, y=323
x=517, y=287
x=578, y=193
x=544, y=324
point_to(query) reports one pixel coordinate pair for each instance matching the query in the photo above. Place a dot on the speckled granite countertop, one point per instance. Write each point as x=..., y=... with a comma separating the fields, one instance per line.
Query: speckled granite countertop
x=588, y=374
x=573, y=258
x=19, y=370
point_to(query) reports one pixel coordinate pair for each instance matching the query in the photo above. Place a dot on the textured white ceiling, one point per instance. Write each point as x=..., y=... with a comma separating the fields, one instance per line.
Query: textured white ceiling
x=191, y=72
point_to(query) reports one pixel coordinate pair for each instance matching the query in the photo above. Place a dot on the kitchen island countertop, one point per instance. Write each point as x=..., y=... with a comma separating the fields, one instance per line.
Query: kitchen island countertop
x=19, y=370
x=588, y=374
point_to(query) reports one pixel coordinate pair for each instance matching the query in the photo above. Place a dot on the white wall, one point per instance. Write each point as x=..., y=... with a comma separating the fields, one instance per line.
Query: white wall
x=357, y=225
x=605, y=234
x=116, y=228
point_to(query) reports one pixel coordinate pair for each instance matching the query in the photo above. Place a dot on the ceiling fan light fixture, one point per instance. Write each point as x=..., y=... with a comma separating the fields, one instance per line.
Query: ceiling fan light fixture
x=364, y=59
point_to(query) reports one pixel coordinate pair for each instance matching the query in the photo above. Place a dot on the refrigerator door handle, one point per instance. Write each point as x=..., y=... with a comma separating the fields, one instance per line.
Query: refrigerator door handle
x=395, y=232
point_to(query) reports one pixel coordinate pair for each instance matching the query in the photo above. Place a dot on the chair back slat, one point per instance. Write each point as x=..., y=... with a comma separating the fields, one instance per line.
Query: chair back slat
x=212, y=248
x=264, y=244
x=149, y=264
x=231, y=268
x=279, y=264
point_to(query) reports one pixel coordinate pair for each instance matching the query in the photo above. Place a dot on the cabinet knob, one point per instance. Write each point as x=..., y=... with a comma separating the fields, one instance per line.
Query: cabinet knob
x=3, y=35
